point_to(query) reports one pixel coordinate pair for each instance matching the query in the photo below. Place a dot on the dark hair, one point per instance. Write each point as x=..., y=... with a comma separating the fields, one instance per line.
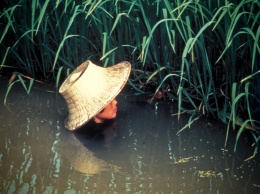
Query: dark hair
x=102, y=110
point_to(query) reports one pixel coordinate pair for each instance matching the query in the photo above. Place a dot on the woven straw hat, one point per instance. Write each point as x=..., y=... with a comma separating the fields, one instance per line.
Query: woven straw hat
x=90, y=88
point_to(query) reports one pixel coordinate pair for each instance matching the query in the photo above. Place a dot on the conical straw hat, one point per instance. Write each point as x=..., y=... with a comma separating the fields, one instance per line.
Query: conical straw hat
x=90, y=88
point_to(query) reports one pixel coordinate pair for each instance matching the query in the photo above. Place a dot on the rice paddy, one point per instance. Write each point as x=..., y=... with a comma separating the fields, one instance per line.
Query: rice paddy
x=141, y=154
x=205, y=54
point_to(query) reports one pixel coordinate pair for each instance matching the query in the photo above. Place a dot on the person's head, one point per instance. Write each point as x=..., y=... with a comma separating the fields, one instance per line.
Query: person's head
x=109, y=112
x=90, y=91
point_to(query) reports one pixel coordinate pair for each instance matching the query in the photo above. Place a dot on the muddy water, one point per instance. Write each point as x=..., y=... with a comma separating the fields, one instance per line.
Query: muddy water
x=139, y=153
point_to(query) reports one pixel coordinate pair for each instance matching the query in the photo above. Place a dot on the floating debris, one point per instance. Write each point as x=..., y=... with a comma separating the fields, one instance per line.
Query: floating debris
x=209, y=173
x=188, y=159
x=255, y=185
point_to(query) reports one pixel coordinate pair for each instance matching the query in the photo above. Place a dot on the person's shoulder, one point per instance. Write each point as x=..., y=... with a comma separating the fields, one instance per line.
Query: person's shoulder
x=91, y=125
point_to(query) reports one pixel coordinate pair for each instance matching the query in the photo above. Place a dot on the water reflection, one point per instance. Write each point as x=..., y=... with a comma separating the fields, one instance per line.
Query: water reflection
x=81, y=158
x=139, y=153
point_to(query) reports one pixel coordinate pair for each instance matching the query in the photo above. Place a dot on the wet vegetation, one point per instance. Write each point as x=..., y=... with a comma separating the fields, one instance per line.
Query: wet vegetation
x=203, y=55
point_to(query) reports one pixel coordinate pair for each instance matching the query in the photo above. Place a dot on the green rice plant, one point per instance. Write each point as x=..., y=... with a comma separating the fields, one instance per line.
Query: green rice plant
x=19, y=80
x=244, y=41
x=256, y=139
x=8, y=90
x=235, y=120
x=4, y=58
x=8, y=14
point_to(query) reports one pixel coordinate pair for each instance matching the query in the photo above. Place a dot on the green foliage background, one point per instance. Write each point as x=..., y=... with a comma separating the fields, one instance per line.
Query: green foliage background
x=206, y=52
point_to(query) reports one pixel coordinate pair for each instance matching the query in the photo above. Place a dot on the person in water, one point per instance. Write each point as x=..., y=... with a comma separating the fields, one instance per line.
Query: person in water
x=109, y=112
x=101, y=127
x=90, y=91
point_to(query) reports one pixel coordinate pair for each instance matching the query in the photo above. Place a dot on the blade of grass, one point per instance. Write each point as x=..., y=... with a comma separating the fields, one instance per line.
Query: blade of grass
x=256, y=147
x=8, y=90
x=3, y=61
x=58, y=78
x=42, y=13
x=59, y=49
x=241, y=129
x=249, y=77
x=190, y=122
x=10, y=22
x=24, y=85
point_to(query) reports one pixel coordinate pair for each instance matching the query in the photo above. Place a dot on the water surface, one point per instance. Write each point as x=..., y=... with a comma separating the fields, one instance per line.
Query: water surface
x=140, y=153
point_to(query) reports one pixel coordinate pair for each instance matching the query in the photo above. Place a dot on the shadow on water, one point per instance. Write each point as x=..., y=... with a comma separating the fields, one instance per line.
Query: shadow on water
x=141, y=153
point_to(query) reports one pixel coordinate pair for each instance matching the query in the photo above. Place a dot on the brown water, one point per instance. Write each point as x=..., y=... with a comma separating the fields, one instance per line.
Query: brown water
x=140, y=154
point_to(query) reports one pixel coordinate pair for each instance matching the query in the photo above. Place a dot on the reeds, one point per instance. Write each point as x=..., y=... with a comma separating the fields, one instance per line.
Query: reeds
x=206, y=52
